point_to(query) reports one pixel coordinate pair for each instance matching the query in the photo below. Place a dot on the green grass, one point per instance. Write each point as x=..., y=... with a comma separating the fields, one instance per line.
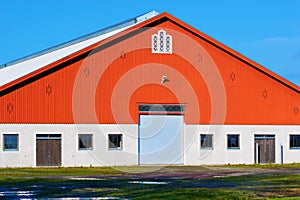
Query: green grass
x=121, y=170
x=123, y=182
x=263, y=166
x=60, y=171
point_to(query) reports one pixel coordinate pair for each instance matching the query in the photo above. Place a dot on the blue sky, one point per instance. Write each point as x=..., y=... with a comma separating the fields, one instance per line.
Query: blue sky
x=267, y=31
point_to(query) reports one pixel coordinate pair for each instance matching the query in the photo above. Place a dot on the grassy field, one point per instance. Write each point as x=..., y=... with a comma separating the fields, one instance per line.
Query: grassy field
x=152, y=182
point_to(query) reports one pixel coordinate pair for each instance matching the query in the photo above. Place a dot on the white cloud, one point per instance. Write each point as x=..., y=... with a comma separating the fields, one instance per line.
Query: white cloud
x=277, y=39
x=282, y=40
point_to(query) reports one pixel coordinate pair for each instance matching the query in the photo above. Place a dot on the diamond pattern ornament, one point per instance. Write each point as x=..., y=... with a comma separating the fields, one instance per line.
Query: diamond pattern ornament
x=199, y=57
x=10, y=108
x=232, y=76
x=265, y=94
x=296, y=111
x=48, y=89
x=86, y=72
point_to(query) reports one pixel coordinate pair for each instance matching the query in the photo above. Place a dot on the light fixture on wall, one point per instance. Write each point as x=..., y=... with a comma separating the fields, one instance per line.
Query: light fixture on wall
x=164, y=79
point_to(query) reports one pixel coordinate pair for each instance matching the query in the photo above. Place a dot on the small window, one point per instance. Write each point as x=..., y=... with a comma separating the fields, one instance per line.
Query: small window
x=233, y=141
x=295, y=141
x=115, y=141
x=10, y=142
x=206, y=140
x=85, y=141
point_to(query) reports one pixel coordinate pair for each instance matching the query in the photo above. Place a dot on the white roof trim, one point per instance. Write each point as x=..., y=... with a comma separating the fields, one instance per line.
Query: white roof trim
x=17, y=70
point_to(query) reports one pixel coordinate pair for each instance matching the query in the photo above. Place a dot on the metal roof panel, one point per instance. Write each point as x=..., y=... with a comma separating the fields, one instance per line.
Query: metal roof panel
x=18, y=68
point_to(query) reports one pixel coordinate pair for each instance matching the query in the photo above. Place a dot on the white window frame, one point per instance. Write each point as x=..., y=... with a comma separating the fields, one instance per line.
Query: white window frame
x=18, y=141
x=121, y=141
x=239, y=141
x=92, y=142
x=212, y=140
x=289, y=141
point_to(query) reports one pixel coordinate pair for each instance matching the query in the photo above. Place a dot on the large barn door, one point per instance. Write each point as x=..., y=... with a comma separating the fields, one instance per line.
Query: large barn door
x=161, y=139
x=264, y=146
x=48, y=150
x=160, y=134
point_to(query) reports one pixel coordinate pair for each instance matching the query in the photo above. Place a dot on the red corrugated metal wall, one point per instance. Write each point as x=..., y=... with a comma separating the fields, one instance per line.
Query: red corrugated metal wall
x=107, y=86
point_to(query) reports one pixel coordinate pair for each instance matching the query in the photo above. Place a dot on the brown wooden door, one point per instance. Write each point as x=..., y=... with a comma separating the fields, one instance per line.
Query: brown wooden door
x=266, y=150
x=48, y=151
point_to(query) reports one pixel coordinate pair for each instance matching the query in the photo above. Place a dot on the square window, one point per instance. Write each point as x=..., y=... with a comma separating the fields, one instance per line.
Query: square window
x=115, y=141
x=206, y=140
x=294, y=141
x=85, y=141
x=233, y=141
x=10, y=142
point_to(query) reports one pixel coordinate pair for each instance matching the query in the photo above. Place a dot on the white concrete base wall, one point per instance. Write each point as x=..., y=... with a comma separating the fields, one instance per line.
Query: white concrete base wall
x=100, y=155
x=220, y=154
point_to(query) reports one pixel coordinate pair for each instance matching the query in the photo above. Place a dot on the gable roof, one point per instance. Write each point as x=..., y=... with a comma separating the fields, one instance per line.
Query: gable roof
x=17, y=71
x=21, y=67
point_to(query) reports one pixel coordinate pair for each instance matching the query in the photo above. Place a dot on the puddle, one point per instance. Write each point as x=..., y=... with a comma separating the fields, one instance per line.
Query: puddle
x=24, y=194
x=148, y=182
x=219, y=176
x=92, y=198
x=87, y=179
x=34, y=186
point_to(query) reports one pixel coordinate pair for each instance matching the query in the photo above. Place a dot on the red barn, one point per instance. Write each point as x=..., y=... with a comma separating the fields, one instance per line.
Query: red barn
x=150, y=90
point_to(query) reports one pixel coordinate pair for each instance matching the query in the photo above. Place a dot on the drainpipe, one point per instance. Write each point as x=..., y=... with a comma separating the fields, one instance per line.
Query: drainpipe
x=281, y=153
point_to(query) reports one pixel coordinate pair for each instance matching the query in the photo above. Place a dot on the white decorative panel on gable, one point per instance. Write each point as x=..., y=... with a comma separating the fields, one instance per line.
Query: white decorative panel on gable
x=161, y=42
